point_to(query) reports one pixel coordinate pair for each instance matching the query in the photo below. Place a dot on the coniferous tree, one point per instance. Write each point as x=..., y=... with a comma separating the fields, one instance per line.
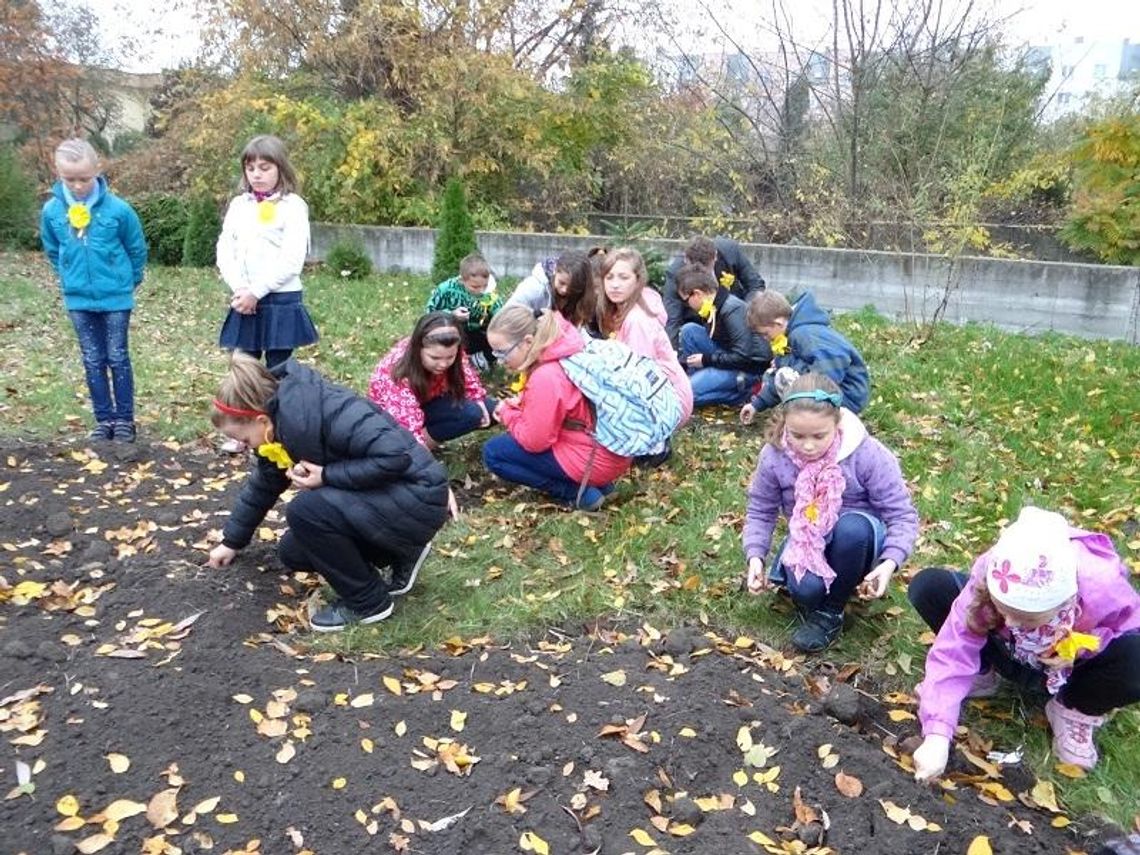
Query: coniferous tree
x=455, y=233
x=203, y=226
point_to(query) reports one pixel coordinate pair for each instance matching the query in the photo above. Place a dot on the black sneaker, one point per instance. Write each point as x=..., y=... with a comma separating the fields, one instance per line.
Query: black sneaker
x=652, y=461
x=337, y=615
x=123, y=432
x=102, y=432
x=818, y=631
x=404, y=573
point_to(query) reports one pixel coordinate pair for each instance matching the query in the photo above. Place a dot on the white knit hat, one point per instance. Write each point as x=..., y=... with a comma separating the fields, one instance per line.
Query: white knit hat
x=1033, y=566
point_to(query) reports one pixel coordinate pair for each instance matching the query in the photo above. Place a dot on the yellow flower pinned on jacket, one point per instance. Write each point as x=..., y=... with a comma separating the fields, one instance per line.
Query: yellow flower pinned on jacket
x=1073, y=643
x=811, y=513
x=780, y=345
x=707, y=308
x=275, y=452
x=519, y=384
x=266, y=211
x=726, y=279
x=79, y=215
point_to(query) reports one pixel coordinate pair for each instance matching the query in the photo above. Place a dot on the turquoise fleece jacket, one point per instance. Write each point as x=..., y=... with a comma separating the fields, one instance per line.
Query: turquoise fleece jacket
x=100, y=269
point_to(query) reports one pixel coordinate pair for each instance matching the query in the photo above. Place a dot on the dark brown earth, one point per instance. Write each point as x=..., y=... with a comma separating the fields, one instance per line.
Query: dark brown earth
x=115, y=640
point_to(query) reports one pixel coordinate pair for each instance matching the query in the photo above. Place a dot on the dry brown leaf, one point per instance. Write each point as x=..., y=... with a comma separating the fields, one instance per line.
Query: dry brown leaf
x=163, y=808
x=94, y=843
x=848, y=785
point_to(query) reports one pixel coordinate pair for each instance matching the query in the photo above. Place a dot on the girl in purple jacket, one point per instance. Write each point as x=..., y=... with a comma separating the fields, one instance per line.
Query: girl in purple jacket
x=1048, y=607
x=851, y=523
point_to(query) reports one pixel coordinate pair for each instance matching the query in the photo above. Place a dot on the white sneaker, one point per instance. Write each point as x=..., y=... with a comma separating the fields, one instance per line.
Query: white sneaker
x=404, y=576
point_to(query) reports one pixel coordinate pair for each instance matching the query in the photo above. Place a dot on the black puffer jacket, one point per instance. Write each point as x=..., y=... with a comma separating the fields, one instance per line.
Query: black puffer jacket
x=391, y=492
x=730, y=258
x=740, y=348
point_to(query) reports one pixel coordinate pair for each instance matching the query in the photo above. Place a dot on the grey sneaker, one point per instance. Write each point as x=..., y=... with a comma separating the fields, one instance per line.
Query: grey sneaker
x=404, y=573
x=336, y=616
x=123, y=432
x=102, y=432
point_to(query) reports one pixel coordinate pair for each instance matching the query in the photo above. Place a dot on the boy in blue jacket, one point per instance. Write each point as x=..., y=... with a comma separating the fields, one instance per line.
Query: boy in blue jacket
x=803, y=340
x=95, y=242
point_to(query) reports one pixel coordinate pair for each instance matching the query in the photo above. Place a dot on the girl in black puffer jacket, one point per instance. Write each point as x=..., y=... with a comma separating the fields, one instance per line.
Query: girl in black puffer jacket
x=369, y=496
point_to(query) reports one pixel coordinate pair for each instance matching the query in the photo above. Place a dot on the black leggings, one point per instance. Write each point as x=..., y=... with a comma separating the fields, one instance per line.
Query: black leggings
x=1099, y=683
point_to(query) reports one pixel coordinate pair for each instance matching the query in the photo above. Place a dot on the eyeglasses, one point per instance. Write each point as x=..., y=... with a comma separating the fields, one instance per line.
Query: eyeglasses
x=502, y=355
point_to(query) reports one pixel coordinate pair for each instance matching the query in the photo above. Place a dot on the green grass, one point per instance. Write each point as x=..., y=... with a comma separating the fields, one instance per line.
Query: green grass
x=983, y=421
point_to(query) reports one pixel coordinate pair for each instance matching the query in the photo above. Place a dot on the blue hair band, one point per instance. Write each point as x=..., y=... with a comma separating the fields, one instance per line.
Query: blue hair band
x=818, y=395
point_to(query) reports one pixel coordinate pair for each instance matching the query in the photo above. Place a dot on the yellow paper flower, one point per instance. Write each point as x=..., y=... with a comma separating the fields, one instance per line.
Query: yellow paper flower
x=266, y=211
x=1073, y=643
x=519, y=384
x=79, y=216
x=811, y=513
x=726, y=279
x=275, y=452
x=706, y=309
x=780, y=345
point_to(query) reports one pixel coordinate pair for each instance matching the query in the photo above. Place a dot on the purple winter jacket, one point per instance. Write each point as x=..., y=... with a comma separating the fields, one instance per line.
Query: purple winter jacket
x=874, y=484
x=1109, y=606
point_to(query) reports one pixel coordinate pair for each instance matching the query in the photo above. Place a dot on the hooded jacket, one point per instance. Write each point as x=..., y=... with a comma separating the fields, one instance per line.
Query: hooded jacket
x=643, y=331
x=549, y=399
x=387, y=487
x=874, y=484
x=100, y=269
x=534, y=291
x=813, y=345
x=1108, y=607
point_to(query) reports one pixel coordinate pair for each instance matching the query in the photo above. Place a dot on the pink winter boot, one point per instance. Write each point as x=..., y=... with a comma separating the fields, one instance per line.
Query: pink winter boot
x=1073, y=734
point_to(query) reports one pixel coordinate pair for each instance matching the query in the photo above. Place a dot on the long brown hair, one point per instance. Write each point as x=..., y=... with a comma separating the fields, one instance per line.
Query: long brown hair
x=434, y=328
x=577, y=305
x=610, y=315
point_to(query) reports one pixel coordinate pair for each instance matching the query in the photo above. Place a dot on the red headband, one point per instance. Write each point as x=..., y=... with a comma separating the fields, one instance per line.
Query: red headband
x=237, y=412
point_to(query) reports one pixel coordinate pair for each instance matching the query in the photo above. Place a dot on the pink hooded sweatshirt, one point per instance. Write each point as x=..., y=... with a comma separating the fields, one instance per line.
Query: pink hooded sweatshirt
x=644, y=333
x=1109, y=607
x=547, y=401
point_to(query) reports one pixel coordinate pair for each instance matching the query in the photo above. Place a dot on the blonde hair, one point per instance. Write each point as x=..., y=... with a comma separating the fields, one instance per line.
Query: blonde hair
x=767, y=307
x=809, y=382
x=610, y=314
x=76, y=150
x=248, y=385
x=473, y=265
x=517, y=322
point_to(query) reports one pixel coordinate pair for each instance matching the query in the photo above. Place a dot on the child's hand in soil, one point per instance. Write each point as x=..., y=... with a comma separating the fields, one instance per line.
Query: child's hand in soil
x=306, y=475
x=221, y=556
x=930, y=758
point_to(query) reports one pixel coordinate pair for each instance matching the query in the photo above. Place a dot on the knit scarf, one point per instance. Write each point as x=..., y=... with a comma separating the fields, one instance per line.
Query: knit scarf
x=1032, y=645
x=819, y=496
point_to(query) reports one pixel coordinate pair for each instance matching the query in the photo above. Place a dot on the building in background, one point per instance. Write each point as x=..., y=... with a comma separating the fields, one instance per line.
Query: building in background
x=1084, y=69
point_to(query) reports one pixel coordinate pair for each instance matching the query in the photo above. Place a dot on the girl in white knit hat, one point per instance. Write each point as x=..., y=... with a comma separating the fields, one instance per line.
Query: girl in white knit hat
x=1048, y=607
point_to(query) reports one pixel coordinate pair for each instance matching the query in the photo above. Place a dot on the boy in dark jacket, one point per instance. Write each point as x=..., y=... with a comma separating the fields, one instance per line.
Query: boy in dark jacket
x=728, y=264
x=723, y=356
x=369, y=495
x=802, y=340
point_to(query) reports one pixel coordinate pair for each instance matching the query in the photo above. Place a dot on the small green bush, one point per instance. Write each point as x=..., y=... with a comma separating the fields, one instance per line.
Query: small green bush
x=455, y=235
x=18, y=208
x=203, y=225
x=348, y=258
x=164, y=219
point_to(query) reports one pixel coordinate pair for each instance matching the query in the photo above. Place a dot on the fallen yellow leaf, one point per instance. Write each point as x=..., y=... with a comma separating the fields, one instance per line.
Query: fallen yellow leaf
x=401, y=728
x=980, y=845
x=642, y=837
x=339, y=783
x=531, y=842
x=94, y=843
x=359, y=701
x=614, y=678
x=458, y=720
x=367, y=745
x=70, y=823
x=121, y=809
x=227, y=818
x=393, y=686
x=119, y=763
x=67, y=805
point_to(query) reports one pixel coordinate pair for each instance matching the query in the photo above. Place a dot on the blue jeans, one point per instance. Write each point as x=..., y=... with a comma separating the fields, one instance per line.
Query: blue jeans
x=445, y=418
x=713, y=385
x=503, y=456
x=852, y=548
x=104, y=347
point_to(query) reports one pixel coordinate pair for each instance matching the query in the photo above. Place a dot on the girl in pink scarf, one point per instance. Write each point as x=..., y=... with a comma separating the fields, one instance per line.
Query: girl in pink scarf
x=851, y=523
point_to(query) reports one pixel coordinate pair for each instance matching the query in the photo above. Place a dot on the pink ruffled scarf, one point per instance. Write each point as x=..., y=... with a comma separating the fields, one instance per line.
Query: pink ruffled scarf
x=819, y=497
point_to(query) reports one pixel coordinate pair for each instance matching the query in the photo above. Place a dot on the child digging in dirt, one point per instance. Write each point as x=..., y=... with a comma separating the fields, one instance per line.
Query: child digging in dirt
x=1048, y=607
x=851, y=523
x=369, y=495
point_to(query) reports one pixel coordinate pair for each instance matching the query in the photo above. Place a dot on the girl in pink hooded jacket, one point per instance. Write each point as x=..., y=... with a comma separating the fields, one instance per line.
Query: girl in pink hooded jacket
x=1048, y=607
x=545, y=446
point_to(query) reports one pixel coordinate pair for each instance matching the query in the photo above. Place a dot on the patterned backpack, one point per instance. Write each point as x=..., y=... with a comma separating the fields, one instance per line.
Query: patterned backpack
x=634, y=404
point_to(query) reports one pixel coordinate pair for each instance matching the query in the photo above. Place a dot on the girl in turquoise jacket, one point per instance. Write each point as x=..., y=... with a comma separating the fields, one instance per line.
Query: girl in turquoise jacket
x=95, y=242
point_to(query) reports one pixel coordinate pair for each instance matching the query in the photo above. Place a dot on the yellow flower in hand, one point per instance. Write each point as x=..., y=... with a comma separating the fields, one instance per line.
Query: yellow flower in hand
x=811, y=513
x=706, y=309
x=266, y=211
x=275, y=452
x=519, y=384
x=79, y=216
x=1073, y=643
x=780, y=345
x=726, y=279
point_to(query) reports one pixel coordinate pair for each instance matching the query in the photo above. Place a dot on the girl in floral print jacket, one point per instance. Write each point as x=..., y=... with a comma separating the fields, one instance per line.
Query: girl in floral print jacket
x=428, y=385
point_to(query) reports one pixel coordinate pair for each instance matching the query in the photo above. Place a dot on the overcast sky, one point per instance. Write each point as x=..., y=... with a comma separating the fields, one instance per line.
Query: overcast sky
x=1034, y=21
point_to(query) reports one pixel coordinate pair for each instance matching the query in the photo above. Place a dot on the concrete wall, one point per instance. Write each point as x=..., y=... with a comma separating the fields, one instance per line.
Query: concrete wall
x=1089, y=300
